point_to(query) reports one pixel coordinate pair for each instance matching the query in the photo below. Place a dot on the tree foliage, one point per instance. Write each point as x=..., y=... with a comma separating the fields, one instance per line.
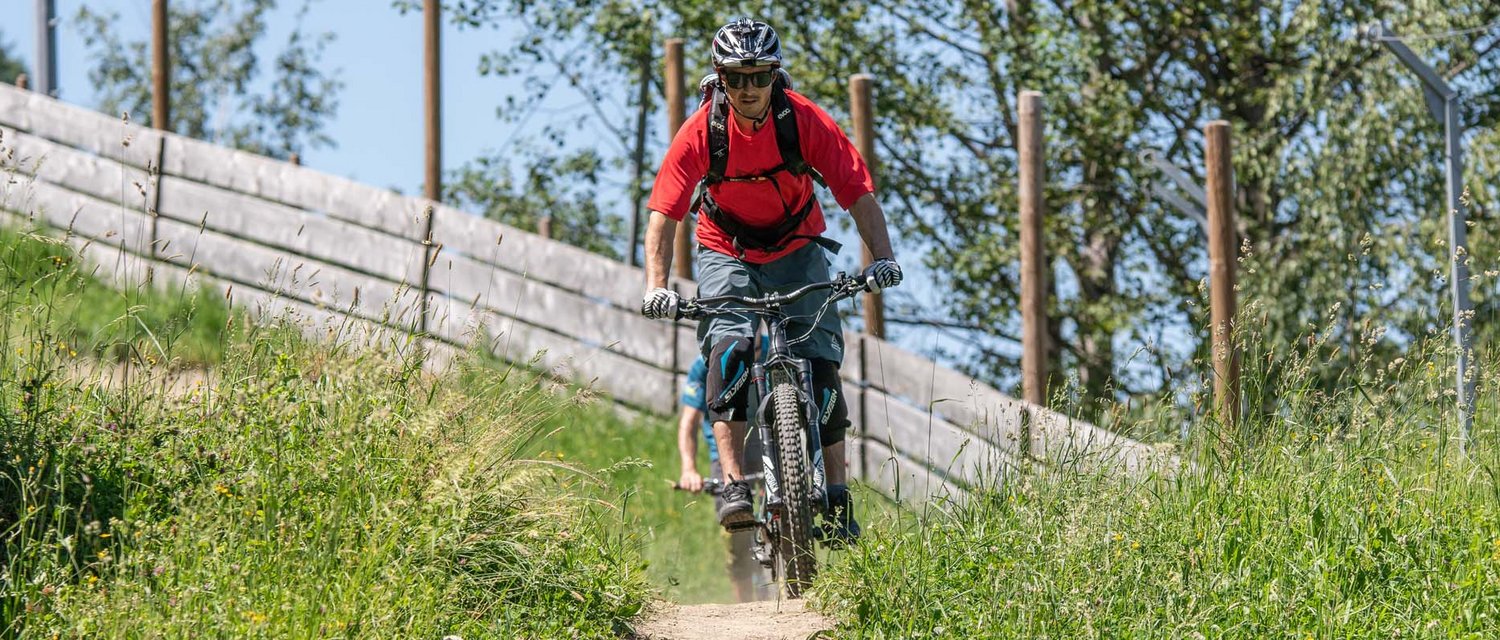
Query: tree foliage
x=215, y=70
x=560, y=188
x=1336, y=159
x=534, y=173
x=10, y=63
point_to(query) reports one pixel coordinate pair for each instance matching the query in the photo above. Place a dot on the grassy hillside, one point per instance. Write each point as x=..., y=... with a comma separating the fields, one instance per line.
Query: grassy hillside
x=1349, y=515
x=635, y=462
x=45, y=290
x=298, y=490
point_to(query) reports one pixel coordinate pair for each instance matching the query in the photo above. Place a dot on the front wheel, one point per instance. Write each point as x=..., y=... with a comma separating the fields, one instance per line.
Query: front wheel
x=794, y=543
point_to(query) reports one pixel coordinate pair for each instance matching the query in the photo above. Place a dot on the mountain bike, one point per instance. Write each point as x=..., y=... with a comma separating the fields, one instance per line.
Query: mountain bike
x=783, y=414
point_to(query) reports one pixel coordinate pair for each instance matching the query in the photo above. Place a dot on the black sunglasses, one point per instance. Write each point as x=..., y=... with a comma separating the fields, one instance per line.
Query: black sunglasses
x=760, y=79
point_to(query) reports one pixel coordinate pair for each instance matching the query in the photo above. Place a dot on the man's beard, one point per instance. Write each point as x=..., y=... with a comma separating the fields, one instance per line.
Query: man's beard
x=755, y=119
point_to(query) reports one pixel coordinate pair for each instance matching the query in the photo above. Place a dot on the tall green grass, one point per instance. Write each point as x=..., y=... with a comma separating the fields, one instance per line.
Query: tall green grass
x=44, y=287
x=1344, y=514
x=300, y=490
x=635, y=461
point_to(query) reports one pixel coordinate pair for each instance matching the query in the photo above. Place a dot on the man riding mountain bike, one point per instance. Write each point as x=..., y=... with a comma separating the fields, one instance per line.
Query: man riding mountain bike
x=752, y=154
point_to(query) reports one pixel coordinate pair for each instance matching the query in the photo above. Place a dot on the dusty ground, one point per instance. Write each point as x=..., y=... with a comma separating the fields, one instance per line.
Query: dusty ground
x=786, y=620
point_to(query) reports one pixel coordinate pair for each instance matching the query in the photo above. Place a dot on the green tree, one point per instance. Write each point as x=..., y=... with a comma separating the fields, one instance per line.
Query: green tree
x=533, y=174
x=1340, y=194
x=562, y=188
x=10, y=64
x=214, y=69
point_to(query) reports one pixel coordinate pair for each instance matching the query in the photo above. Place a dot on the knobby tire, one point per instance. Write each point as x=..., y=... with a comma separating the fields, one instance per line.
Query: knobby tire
x=795, y=542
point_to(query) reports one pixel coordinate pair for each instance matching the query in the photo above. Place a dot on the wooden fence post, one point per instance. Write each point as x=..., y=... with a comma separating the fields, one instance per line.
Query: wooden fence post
x=862, y=429
x=1032, y=151
x=161, y=110
x=432, y=98
x=862, y=111
x=544, y=227
x=676, y=86
x=161, y=68
x=1221, y=259
x=432, y=85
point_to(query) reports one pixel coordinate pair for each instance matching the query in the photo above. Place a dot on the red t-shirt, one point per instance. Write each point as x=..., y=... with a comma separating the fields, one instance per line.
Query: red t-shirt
x=758, y=203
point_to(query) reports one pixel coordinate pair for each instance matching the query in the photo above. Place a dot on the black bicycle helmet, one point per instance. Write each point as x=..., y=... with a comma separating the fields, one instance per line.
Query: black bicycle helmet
x=746, y=43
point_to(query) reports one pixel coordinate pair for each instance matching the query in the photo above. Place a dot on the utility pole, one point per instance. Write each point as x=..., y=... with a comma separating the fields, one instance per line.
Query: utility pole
x=682, y=256
x=1442, y=101
x=46, y=47
x=862, y=111
x=161, y=68
x=1033, y=157
x=1218, y=156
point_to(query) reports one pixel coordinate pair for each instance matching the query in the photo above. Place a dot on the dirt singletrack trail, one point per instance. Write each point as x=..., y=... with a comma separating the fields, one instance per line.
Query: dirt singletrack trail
x=769, y=620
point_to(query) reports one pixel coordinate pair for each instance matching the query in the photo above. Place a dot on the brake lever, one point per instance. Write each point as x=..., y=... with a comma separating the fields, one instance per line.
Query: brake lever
x=689, y=311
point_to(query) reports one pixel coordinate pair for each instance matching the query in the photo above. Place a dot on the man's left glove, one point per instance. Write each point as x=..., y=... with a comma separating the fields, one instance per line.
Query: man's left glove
x=660, y=303
x=884, y=274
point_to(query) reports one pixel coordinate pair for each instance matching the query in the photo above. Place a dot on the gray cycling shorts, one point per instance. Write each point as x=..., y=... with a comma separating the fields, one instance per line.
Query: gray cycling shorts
x=719, y=275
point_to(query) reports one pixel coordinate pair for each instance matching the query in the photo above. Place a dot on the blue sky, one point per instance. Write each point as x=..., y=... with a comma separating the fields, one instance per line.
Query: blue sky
x=378, y=56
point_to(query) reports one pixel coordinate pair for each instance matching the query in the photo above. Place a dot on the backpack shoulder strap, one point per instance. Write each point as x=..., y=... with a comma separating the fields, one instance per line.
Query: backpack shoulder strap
x=788, y=139
x=718, y=135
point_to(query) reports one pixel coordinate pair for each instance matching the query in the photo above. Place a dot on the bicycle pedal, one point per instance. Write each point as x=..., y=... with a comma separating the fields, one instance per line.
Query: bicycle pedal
x=743, y=525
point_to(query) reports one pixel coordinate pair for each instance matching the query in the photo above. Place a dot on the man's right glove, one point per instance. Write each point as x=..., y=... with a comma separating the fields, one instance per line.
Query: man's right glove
x=660, y=303
x=884, y=274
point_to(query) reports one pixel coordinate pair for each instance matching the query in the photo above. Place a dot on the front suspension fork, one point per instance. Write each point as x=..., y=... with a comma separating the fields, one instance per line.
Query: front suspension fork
x=769, y=472
x=818, y=492
x=814, y=420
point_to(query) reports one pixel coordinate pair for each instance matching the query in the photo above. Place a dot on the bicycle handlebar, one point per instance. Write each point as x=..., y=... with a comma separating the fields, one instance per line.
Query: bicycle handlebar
x=843, y=287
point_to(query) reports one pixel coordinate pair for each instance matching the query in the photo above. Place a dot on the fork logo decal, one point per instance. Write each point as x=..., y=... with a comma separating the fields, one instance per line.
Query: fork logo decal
x=769, y=478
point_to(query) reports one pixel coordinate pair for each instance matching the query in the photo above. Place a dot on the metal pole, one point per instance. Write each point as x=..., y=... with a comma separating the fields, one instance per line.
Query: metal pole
x=1032, y=151
x=862, y=111
x=161, y=68
x=1217, y=157
x=682, y=255
x=46, y=47
x=640, y=157
x=1442, y=102
x=1458, y=264
x=433, y=94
